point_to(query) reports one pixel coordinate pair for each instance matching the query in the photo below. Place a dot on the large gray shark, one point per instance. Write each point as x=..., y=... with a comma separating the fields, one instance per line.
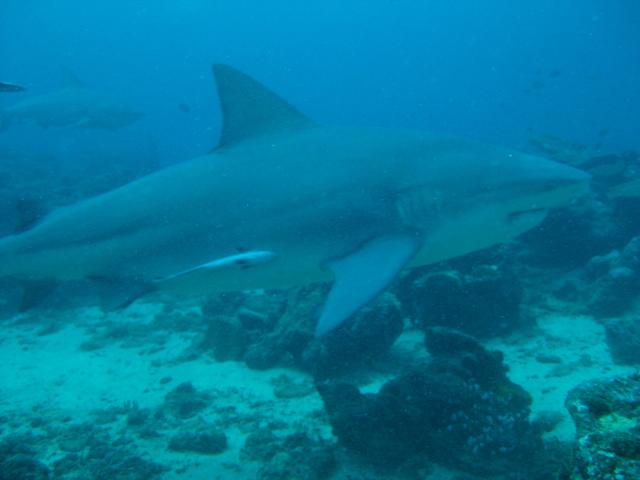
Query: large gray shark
x=74, y=105
x=283, y=201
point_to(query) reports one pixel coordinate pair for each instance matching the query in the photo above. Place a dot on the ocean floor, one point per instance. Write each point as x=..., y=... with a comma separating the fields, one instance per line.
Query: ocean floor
x=565, y=351
x=54, y=378
x=50, y=376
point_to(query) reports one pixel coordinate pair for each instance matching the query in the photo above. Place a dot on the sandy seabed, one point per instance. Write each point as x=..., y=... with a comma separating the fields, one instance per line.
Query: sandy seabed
x=51, y=376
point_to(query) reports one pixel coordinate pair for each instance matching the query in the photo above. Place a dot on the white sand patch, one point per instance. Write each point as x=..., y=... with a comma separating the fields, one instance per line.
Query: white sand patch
x=51, y=375
x=579, y=344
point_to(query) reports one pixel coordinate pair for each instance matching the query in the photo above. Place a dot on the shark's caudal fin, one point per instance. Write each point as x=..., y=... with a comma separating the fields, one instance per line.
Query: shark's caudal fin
x=250, y=109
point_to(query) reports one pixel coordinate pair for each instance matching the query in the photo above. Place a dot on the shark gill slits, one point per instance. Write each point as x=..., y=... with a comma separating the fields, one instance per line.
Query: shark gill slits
x=417, y=206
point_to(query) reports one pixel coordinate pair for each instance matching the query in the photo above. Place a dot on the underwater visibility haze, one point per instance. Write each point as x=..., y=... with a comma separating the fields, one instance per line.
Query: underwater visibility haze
x=402, y=242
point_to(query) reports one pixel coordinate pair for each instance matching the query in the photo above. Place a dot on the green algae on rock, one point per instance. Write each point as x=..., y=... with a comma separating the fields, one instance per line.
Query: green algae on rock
x=607, y=417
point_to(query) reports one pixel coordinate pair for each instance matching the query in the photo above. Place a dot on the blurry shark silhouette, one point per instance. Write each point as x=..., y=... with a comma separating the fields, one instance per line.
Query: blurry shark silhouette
x=284, y=201
x=74, y=105
x=11, y=87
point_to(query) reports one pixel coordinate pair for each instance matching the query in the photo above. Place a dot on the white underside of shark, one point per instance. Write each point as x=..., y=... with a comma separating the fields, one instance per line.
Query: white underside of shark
x=283, y=201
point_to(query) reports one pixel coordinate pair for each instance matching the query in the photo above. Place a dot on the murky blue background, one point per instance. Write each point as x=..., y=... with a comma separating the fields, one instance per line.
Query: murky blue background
x=499, y=70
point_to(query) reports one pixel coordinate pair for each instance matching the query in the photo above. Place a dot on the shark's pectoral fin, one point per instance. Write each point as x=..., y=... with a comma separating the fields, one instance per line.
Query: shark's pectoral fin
x=35, y=293
x=119, y=293
x=362, y=275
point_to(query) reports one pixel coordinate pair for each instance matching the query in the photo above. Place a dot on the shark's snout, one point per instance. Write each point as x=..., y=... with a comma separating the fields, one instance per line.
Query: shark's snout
x=573, y=181
x=565, y=177
x=571, y=175
x=549, y=184
x=548, y=176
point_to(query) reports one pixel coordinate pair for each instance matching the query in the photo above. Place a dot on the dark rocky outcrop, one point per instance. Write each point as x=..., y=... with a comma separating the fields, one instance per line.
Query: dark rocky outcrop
x=88, y=451
x=184, y=401
x=292, y=331
x=459, y=410
x=614, y=281
x=292, y=456
x=19, y=460
x=483, y=301
x=623, y=339
x=357, y=342
x=210, y=442
x=607, y=417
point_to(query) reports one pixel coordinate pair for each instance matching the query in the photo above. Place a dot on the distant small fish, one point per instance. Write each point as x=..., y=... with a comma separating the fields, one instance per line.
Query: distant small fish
x=603, y=132
x=11, y=87
x=183, y=107
x=554, y=73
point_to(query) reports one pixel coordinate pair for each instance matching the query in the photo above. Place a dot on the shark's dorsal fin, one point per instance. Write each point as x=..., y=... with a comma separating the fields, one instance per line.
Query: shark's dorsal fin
x=250, y=109
x=69, y=79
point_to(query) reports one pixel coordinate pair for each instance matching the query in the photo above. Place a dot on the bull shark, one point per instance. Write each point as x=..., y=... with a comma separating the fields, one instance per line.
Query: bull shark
x=74, y=105
x=283, y=201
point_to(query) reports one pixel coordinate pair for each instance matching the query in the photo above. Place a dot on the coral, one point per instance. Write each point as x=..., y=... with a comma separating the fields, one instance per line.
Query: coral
x=225, y=337
x=569, y=237
x=359, y=341
x=623, y=338
x=260, y=445
x=292, y=331
x=91, y=453
x=184, y=401
x=24, y=468
x=106, y=464
x=236, y=321
x=607, y=417
x=613, y=281
x=483, y=301
x=459, y=410
x=209, y=442
x=294, y=456
x=286, y=387
x=18, y=459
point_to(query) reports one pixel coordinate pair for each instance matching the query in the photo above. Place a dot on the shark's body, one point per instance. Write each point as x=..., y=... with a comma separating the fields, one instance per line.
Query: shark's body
x=75, y=105
x=312, y=203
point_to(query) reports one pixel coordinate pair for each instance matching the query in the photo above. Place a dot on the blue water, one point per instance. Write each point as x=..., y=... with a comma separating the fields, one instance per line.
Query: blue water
x=457, y=67
x=502, y=71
